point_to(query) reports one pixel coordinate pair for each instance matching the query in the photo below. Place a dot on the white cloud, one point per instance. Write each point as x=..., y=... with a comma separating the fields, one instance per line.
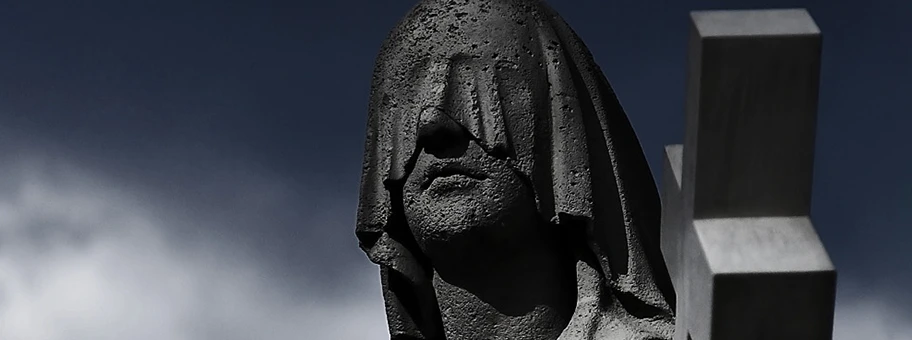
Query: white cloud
x=84, y=259
x=81, y=260
x=871, y=317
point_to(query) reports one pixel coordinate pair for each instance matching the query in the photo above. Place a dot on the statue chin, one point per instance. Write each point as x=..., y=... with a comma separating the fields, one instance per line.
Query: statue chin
x=473, y=223
x=452, y=237
x=461, y=217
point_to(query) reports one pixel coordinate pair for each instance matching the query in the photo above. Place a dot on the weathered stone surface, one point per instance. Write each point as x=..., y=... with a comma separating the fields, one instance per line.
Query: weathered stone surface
x=745, y=259
x=504, y=193
x=672, y=212
x=751, y=113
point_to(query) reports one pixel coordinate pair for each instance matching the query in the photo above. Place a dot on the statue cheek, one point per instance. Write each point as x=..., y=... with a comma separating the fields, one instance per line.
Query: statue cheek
x=415, y=214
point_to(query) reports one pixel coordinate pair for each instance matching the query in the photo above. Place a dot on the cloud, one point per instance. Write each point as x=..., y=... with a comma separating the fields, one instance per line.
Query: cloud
x=871, y=317
x=82, y=259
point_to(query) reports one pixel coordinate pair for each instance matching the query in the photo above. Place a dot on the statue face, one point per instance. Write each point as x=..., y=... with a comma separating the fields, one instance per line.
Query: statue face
x=459, y=197
x=524, y=125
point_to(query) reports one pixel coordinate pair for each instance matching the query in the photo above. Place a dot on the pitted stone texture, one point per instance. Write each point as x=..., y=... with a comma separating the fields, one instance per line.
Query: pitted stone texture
x=473, y=86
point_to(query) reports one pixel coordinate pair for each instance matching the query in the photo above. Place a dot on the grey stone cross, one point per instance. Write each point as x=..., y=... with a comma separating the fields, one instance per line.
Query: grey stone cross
x=736, y=234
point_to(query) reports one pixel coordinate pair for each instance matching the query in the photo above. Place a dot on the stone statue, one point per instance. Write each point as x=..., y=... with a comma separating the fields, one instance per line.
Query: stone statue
x=504, y=193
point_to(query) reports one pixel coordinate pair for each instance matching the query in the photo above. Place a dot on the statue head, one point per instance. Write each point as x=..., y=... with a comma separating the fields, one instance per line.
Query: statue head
x=490, y=126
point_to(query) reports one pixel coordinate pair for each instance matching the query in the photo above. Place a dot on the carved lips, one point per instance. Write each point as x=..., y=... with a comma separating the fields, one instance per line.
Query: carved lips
x=446, y=176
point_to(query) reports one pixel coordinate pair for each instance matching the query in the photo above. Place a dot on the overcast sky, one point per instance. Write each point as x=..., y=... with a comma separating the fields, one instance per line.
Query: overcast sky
x=189, y=169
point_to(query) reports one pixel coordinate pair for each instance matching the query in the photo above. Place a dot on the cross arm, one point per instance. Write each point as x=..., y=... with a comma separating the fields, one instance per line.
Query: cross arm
x=742, y=252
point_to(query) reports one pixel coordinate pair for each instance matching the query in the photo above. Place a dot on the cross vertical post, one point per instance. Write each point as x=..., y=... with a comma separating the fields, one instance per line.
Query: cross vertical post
x=742, y=252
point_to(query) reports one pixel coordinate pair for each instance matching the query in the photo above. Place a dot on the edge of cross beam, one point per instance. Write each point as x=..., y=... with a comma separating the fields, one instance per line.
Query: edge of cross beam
x=754, y=23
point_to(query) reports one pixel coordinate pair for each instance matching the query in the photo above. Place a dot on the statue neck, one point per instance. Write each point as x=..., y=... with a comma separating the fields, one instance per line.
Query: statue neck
x=527, y=295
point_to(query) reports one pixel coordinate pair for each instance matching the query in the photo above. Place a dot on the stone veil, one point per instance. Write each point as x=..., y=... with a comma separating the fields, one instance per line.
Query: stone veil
x=525, y=88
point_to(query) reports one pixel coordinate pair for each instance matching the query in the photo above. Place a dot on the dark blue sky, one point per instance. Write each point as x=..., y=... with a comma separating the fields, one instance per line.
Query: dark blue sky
x=159, y=95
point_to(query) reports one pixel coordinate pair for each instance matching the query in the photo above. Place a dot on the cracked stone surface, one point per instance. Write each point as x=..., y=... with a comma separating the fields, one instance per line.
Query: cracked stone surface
x=504, y=194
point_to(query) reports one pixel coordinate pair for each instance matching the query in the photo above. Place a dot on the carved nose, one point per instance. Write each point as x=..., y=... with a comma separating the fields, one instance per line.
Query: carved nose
x=440, y=135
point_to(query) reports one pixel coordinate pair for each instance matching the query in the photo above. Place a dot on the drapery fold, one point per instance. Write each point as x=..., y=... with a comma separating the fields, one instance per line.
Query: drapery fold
x=529, y=91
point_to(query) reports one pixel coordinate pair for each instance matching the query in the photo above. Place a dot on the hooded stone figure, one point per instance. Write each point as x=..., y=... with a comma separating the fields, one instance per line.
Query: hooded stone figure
x=504, y=193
